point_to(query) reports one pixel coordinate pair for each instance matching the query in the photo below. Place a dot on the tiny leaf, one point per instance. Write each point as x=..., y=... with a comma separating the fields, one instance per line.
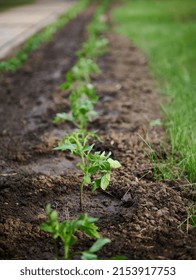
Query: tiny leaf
x=99, y=244
x=105, y=180
x=88, y=256
x=90, y=229
x=96, y=184
x=46, y=227
x=53, y=216
x=114, y=163
x=87, y=179
x=93, y=169
x=64, y=147
x=88, y=148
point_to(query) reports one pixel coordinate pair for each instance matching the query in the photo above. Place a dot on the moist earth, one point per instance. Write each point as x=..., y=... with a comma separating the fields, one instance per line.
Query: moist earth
x=140, y=214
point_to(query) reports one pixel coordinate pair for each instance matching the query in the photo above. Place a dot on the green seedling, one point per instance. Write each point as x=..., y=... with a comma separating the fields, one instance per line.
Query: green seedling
x=81, y=112
x=81, y=72
x=98, y=26
x=95, y=166
x=67, y=229
x=84, y=68
x=94, y=47
x=88, y=90
x=82, y=100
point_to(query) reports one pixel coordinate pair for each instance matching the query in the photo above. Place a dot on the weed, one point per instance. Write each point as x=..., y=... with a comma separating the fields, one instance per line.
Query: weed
x=191, y=218
x=163, y=168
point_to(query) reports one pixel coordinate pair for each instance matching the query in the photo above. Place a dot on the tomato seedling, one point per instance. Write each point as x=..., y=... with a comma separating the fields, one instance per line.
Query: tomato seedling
x=82, y=100
x=81, y=72
x=96, y=166
x=67, y=229
x=94, y=47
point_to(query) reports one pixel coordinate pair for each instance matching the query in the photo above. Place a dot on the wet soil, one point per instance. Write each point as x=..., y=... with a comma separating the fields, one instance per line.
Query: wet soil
x=138, y=213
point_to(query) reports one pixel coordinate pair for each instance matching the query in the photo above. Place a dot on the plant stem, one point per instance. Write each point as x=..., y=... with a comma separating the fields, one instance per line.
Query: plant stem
x=56, y=250
x=66, y=252
x=81, y=195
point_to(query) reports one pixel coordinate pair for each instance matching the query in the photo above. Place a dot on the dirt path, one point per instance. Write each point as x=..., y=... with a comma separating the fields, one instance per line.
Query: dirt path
x=139, y=214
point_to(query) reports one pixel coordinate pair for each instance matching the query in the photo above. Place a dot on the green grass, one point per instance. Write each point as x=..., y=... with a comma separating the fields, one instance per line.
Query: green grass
x=5, y=4
x=165, y=31
x=34, y=42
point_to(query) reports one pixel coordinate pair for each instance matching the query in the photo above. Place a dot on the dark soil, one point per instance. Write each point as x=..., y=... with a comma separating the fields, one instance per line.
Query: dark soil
x=139, y=214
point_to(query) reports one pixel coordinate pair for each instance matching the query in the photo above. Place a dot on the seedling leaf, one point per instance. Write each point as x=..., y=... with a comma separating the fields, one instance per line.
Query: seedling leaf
x=87, y=179
x=93, y=169
x=114, y=163
x=90, y=229
x=105, y=180
x=64, y=147
x=99, y=244
x=46, y=227
x=96, y=184
x=88, y=256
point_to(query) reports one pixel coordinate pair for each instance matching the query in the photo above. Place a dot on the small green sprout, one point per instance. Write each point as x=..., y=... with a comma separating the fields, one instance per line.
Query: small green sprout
x=96, y=166
x=67, y=229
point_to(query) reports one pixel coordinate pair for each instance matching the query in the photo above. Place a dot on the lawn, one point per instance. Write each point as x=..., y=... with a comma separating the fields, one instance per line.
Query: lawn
x=165, y=32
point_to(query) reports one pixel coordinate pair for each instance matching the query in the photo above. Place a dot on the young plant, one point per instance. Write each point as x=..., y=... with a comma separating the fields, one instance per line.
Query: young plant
x=98, y=26
x=94, y=47
x=95, y=166
x=81, y=72
x=82, y=100
x=67, y=229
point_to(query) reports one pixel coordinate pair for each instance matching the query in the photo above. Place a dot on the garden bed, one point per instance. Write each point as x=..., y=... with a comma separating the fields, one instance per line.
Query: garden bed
x=139, y=214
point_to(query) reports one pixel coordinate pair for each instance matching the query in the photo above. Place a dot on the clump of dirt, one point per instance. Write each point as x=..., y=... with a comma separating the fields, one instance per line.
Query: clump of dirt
x=139, y=214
